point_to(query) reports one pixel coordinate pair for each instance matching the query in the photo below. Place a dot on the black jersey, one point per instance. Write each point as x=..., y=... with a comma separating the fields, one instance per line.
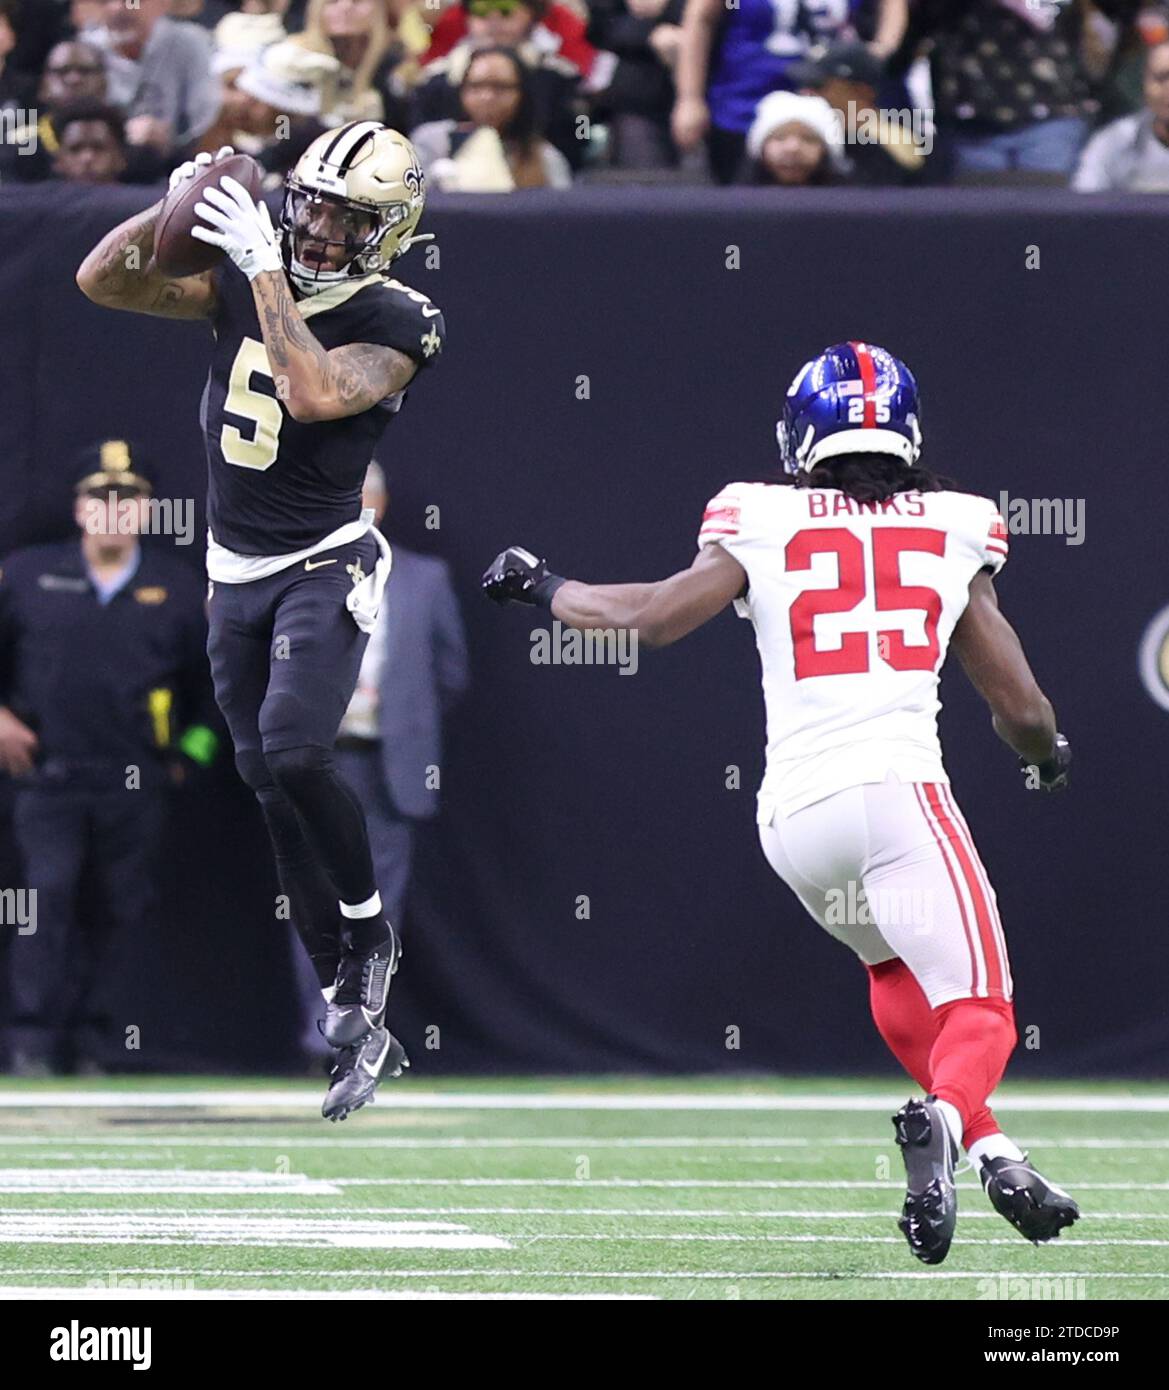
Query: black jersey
x=276, y=485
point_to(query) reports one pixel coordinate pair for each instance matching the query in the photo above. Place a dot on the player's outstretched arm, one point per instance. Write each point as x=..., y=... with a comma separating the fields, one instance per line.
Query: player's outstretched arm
x=660, y=613
x=119, y=273
x=992, y=656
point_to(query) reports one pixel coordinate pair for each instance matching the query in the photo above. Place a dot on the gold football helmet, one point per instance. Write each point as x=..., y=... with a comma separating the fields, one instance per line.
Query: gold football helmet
x=351, y=205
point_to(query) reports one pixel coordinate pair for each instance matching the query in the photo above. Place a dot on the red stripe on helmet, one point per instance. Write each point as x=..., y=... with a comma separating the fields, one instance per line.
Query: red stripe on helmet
x=868, y=370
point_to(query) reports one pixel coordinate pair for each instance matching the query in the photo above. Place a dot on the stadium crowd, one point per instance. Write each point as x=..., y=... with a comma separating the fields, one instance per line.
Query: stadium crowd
x=511, y=94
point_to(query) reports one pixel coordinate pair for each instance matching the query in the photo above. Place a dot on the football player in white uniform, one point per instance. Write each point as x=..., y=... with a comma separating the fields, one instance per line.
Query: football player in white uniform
x=859, y=571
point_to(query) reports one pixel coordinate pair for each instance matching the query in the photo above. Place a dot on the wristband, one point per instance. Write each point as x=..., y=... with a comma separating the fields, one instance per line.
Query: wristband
x=545, y=590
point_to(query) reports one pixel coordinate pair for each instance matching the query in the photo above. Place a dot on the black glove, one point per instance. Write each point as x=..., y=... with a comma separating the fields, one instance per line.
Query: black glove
x=1053, y=774
x=516, y=576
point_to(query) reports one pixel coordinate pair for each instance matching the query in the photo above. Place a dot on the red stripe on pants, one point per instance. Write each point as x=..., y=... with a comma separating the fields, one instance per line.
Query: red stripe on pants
x=941, y=843
x=986, y=936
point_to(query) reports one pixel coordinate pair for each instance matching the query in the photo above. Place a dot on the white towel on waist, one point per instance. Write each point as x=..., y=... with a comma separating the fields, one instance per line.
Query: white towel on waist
x=364, y=600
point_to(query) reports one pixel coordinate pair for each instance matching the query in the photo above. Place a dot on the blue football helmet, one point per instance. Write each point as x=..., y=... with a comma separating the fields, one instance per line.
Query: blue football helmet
x=853, y=398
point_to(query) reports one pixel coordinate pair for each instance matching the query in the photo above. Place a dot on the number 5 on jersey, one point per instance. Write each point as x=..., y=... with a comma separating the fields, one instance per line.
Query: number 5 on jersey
x=852, y=656
x=263, y=411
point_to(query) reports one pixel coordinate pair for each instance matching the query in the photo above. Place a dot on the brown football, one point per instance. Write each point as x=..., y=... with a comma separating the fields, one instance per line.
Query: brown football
x=176, y=251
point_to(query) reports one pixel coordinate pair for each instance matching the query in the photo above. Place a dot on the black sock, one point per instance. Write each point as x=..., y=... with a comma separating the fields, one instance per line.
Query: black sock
x=367, y=934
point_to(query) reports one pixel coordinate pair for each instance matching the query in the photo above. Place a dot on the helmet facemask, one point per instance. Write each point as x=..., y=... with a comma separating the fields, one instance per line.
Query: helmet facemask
x=314, y=222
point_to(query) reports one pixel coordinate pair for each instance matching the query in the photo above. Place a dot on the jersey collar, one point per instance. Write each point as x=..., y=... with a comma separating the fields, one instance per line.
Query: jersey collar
x=335, y=295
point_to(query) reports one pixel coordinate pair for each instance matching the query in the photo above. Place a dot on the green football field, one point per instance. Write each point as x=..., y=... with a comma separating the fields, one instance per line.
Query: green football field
x=595, y=1187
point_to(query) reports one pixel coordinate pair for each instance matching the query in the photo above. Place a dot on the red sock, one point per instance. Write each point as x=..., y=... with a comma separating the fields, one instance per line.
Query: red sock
x=903, y=1017
x=974, y=1042
x=910, y=1028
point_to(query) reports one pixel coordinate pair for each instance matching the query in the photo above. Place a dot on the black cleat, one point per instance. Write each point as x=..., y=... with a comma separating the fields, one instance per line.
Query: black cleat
x=362, y=988
x=1035, y=1207
x=359, y=1069
x=930, y=1212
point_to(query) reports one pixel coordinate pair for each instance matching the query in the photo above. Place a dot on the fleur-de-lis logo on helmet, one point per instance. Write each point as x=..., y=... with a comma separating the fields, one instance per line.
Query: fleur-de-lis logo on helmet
x=415, y=180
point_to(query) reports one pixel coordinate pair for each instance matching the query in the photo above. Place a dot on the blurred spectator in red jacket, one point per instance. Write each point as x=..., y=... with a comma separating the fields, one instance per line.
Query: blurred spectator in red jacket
x=555, y=81
x=550, y=28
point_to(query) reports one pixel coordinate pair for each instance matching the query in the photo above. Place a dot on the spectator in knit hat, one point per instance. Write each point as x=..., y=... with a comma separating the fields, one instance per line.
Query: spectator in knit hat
x=795, y=141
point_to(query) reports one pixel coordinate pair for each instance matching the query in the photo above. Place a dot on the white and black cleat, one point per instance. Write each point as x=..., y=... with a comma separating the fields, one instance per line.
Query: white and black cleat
x=361, y=991
x=930, y=1212
x=1035, y=1207
x=359, y=1069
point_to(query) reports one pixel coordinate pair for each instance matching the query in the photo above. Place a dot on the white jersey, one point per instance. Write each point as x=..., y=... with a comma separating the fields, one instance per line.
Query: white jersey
x=853, y=606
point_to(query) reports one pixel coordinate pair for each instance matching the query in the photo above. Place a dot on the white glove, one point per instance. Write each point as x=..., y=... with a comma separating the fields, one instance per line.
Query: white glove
x=197, y=165
x=238, y=226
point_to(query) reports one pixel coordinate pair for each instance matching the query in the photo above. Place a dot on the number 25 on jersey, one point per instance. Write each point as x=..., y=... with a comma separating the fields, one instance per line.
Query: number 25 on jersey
x=852, y=656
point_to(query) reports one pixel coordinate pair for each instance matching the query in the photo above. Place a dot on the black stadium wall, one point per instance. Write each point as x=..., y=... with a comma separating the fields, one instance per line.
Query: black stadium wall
x=593, y=896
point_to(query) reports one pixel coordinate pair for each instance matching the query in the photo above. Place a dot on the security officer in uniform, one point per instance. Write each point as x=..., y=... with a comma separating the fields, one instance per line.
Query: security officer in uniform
x=103, y=681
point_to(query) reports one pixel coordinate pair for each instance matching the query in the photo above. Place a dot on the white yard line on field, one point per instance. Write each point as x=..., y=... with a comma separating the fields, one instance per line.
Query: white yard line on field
x=568, y=1276
x=817, y=1239
x=761, y=1184
x=145, y=1142
x=884, y=1213
x=295, y=1098
x=187, y=1182
x=65, y=1227
x=79, y=1294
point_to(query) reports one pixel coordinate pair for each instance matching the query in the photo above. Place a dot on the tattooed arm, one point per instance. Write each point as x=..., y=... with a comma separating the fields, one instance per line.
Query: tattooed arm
x=119, y=273
x=313, y=383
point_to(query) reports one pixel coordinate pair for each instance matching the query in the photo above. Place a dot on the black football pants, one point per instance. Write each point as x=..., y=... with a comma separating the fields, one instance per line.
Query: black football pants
x=285, y=654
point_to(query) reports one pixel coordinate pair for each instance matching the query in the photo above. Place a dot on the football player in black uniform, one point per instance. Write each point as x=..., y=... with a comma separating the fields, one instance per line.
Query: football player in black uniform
x=314, y=348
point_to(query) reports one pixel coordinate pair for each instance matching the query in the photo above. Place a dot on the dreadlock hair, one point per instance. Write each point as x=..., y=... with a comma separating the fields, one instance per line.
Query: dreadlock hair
x=871, y=477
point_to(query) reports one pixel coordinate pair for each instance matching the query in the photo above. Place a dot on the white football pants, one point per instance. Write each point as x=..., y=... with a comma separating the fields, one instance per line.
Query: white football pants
x=890, y=870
